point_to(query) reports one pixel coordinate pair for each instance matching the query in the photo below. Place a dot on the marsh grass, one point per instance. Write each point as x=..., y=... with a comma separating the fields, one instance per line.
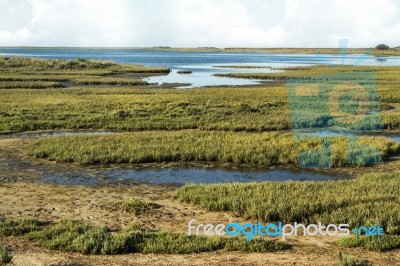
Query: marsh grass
x=305, y=72
x=259, y=109
x=203, y=146
x=143, y=109
x=386, y=78
x=40, y=73
x=5, y=255
x=69, y=236
x=18, y=227
x=29, y=84
x=184, y=71
x=347, y=260
x=137, y=206
x=380, y=243
x=34, y=64
x=108, y=81
x=368, y=200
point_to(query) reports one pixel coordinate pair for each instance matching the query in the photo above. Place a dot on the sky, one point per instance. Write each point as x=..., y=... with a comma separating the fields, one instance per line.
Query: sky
x=199, y=23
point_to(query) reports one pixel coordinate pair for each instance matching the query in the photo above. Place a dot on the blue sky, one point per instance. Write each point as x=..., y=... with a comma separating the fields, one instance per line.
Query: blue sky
x=193, y=23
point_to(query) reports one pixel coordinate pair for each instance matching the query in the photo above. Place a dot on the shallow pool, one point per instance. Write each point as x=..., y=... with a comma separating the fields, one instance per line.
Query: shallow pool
x=186, y=175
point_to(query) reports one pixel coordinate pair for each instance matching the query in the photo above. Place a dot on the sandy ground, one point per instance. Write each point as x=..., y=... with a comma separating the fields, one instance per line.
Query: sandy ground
x=21, y=196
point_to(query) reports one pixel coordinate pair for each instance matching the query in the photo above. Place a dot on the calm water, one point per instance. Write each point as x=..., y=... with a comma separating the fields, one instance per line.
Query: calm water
x=201, y=64
x=321, y=133
x=181, y=176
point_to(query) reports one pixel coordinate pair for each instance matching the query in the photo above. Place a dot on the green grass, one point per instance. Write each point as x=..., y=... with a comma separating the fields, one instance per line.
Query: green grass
x=5, y=255
x=68, y=236
x=368, y=200
x=381, y=243
x=346, y=260
x=197, y=146
x=137, y=206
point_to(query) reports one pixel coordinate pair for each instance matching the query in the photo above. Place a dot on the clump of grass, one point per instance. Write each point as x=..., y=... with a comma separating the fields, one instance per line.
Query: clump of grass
x=377, y=243
x=184, y=71
x=137, y=206
x=74, y=237
x=59, y=236
x=346, y=260
x=5, y=255
x=374, y=200
x=18, y=227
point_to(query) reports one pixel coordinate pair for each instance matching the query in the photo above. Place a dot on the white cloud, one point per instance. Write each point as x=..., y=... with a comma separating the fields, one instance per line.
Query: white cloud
x=222, y=23
x=15, y=38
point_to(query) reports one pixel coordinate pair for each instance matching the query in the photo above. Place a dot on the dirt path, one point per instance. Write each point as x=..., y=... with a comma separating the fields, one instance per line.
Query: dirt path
x=99, y=205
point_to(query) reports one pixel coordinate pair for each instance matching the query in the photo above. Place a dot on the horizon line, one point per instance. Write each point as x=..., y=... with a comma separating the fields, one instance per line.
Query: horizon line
x=172, y=47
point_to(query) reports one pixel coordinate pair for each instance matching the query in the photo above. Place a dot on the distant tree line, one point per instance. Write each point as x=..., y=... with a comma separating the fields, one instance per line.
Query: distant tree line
x=382, y=46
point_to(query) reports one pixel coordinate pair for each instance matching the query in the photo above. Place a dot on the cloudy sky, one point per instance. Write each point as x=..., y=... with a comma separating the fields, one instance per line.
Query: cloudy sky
x=193, y=23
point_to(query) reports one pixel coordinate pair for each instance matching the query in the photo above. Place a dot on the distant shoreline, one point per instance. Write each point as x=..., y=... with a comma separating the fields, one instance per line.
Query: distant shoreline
x=392, y=51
